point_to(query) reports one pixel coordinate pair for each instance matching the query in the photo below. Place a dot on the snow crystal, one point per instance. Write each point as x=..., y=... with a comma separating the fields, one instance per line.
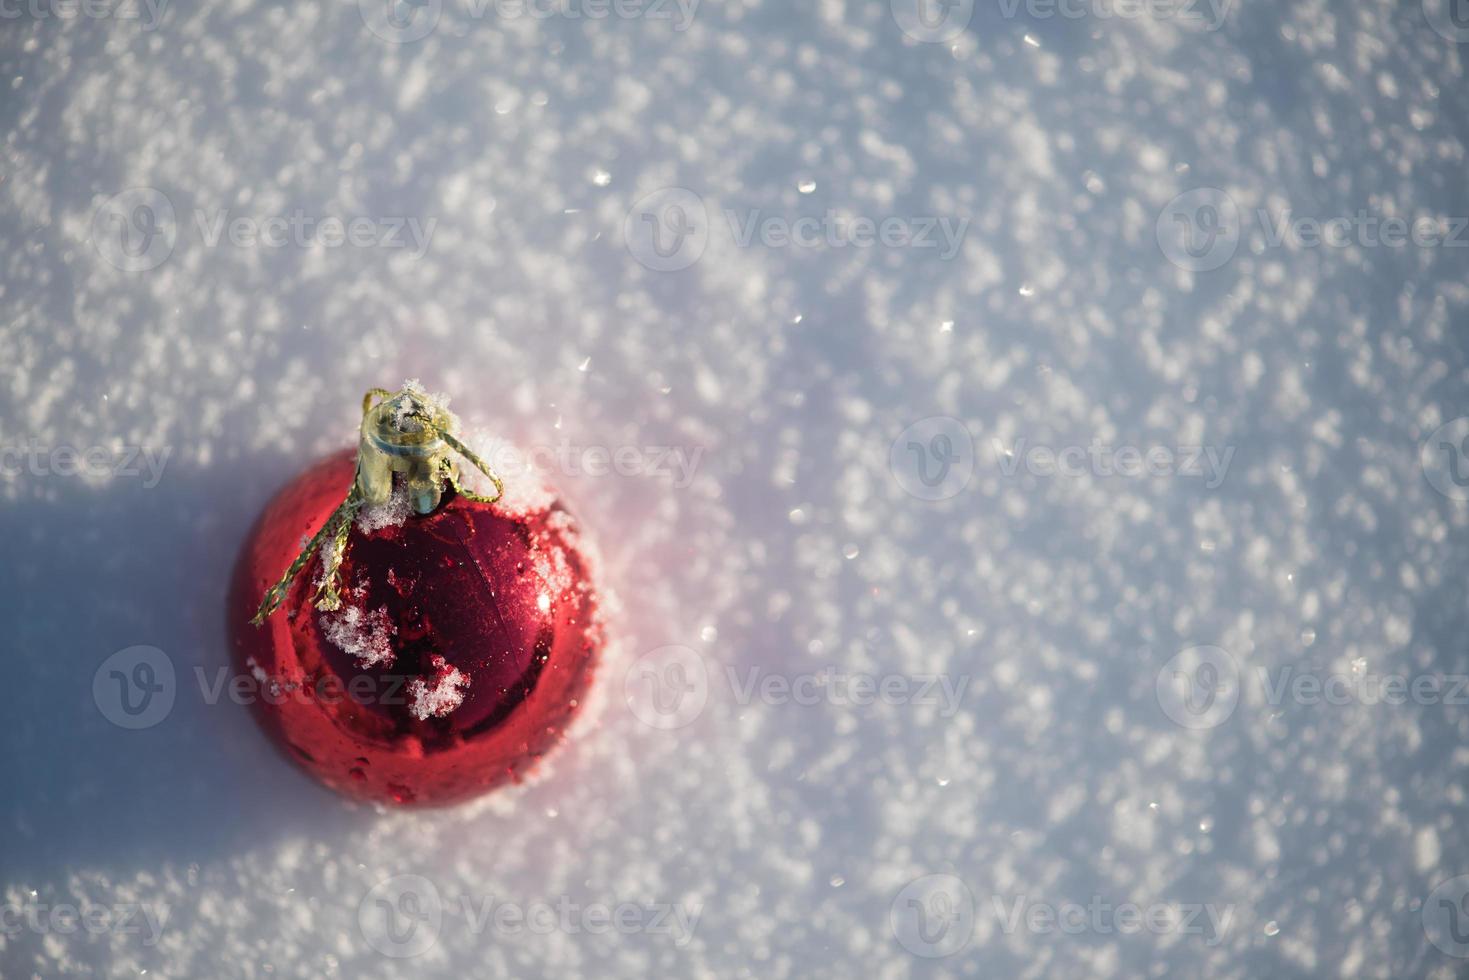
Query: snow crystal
x=390, y=513
x=527, y=491
x=364, y=636
x=257, y=671
x=432, y=403
x=437, y=698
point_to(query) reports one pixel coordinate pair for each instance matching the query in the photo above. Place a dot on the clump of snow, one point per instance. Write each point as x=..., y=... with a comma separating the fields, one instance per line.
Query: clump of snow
x=526, y=489
x=267, y=683
x=441, y=695
x=550, y=561
x=435, y=403
x=257, y=671
x=390, y=513
x=365, y=636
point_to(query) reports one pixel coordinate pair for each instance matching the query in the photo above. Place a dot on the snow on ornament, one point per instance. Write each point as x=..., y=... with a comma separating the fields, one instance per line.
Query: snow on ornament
x=426, y=643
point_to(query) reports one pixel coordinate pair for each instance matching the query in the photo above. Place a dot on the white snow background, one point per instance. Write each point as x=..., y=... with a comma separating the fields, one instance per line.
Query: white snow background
x=791, y=829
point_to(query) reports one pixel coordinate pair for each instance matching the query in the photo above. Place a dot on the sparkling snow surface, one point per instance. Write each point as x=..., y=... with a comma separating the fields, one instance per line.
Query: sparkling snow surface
x=768, y=526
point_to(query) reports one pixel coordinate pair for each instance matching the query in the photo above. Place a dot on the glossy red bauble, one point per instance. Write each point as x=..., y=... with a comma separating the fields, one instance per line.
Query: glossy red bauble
x=465, y=642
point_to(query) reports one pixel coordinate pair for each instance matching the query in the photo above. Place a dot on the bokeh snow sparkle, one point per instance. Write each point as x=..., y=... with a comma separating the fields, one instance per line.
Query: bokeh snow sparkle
x=790, y=836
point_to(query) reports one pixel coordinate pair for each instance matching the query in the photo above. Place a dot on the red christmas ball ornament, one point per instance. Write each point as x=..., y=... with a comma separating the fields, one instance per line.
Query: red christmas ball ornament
x=428, y=643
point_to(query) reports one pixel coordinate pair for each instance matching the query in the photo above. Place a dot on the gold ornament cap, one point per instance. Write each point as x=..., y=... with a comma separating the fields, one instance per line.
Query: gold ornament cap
x=409, y=437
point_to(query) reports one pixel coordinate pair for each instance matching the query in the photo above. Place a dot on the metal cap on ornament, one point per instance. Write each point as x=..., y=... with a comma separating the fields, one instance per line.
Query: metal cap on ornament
x=403, y=435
